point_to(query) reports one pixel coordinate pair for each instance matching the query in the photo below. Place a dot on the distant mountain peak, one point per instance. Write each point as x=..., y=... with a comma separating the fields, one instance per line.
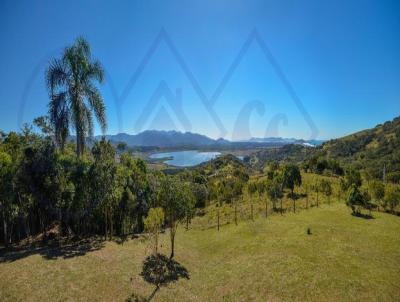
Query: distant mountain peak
x=176, y=139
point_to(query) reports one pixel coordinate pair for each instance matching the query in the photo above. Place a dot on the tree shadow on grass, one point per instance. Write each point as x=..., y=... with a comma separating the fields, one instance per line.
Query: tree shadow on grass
x=160, y=270
x=124, y=238
x=52, y=250
x=121, y=239
x=361, y=215
x=278, y=210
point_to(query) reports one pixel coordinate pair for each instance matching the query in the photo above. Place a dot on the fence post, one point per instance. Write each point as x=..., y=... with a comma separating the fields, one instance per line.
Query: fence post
x=218, y=219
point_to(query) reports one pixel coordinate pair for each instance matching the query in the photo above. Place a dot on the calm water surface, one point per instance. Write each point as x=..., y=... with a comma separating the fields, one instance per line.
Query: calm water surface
x=185, y=158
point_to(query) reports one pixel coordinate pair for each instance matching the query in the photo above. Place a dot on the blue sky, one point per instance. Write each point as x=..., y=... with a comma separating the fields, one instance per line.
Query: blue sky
x=340, y=58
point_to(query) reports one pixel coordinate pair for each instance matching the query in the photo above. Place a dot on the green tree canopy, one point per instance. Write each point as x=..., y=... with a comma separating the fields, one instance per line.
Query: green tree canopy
x=291, y=177
x=392, y=196
x=153, y=223
x=356, y=199
x=352, y=177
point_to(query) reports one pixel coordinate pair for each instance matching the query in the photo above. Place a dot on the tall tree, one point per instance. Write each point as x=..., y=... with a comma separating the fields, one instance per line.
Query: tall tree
x=291, y=178
x=326, y=188
x=137, y=187
x=152, y=224
x=356, y=199
x=177, y=200
x=104, y=183
x=377, y=190
x=6, y=196
x=392, y=197
x=352, y=177
x=74, y=97
x=274, y=190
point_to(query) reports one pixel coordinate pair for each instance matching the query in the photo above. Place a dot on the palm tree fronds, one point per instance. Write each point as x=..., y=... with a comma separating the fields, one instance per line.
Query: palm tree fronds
x=74, y=97
x=82, y=47
x=95, y=71
x=56, y=75
x=59, y=118
x=89, y=125
x=97, y=104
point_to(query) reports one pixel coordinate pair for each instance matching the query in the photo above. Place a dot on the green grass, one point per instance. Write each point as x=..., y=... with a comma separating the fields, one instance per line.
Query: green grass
x=345, y=259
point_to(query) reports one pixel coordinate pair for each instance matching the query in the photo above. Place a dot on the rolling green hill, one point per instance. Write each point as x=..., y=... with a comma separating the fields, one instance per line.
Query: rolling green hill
x=372, y=150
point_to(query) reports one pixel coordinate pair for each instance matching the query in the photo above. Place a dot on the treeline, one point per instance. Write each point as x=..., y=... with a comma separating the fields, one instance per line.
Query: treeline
x=108, y=192
x=99, y=192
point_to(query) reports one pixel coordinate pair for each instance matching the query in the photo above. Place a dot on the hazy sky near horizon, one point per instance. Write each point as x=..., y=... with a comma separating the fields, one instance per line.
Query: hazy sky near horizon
x=165, y=60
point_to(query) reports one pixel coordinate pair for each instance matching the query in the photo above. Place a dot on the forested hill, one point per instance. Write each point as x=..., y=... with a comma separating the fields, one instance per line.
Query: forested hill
x=226, y=164
x=372, y=150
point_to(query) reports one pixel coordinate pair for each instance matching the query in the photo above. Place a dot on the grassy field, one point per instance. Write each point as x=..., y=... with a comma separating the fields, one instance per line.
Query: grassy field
x=345, y=259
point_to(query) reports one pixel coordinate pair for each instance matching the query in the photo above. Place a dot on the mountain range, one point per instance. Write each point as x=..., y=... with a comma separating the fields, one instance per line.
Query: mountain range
x=176, y=139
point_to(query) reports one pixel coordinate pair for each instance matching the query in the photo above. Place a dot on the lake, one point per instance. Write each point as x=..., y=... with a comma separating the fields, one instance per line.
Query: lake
x=185, y=158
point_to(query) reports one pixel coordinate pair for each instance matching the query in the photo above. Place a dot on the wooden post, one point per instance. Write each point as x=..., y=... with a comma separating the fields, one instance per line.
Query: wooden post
x=236, y=213
x=306, y=197
x=218, y=219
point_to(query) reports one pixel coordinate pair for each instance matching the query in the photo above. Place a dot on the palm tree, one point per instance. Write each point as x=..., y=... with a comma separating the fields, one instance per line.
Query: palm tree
x=74, y=98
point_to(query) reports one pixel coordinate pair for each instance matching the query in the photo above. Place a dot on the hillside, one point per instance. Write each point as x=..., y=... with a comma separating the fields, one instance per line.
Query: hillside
x=290, y=152
x=345, y=259
x=222, y=162
x=370, y=150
